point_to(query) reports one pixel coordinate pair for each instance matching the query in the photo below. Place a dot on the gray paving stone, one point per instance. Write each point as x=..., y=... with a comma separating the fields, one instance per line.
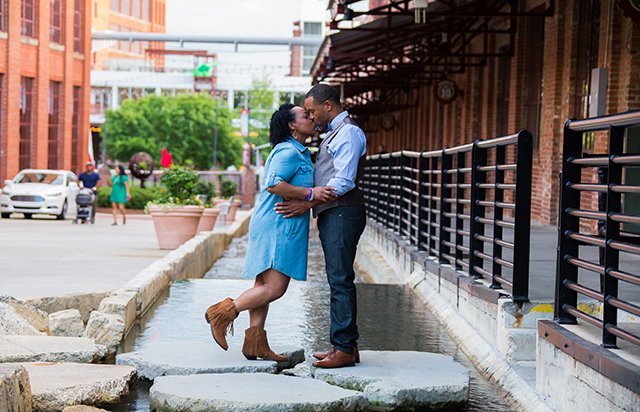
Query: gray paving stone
x=403, y=379
x=49, y=349
x=240, y=392
x=15, y=391
x=55, y=386
x=188, y=358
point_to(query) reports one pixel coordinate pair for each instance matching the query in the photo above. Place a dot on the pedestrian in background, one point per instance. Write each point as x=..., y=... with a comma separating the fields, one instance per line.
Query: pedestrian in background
x=119, y=195
x=91, y=180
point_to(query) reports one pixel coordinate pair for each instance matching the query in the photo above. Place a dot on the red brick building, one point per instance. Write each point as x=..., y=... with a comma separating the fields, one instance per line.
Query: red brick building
x=44, y=80
x=527, y=66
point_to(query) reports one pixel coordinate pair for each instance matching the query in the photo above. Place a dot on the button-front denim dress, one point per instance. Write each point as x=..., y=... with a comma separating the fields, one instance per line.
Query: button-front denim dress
x=276, y=242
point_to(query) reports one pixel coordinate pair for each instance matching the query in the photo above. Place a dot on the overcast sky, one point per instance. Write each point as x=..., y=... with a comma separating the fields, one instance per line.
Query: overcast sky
x=242, y=18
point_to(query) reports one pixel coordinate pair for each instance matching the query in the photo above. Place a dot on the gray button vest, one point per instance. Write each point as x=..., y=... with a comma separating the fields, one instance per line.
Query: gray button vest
x=325, y=171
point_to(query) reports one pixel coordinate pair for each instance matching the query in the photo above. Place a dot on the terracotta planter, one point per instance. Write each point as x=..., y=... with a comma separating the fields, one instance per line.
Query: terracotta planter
x=208, y=220
x=231, y=216
x=175, y=225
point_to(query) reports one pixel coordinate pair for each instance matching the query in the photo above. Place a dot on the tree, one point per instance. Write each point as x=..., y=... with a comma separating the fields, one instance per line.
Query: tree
x=183, y=124
x=261, y=100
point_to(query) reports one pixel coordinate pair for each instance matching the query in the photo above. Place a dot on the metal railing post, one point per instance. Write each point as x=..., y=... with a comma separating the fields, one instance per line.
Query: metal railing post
x=423, y=215
x=522, y=230
x=572, y=148
x=445, y=207
x=498, y=215
x=476, y=228
x=389, y=216
x=433, y=206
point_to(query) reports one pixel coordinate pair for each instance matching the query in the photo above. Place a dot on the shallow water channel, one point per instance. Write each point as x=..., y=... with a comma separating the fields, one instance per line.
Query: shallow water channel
x=390, y=317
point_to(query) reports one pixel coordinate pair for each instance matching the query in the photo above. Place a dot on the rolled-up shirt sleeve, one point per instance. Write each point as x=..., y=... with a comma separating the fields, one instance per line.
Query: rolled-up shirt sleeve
x=284, y=165
x=346, y=149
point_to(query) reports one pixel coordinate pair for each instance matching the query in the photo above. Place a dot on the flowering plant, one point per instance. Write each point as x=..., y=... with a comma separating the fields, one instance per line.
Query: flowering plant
x=180, y=185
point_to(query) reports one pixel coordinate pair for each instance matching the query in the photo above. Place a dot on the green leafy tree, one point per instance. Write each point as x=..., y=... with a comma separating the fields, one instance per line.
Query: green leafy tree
x=261, y=100
x=183, y=124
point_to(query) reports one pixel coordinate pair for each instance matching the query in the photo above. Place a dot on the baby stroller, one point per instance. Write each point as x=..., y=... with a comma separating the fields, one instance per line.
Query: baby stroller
x=84, y=200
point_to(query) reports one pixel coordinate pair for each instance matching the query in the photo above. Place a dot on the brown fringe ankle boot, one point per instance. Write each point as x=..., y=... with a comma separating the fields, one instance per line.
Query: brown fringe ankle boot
x=256, y=346
x=220, y=316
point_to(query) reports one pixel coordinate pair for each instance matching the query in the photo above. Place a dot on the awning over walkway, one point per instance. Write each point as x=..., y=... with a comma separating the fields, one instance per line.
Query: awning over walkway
x=399, y=48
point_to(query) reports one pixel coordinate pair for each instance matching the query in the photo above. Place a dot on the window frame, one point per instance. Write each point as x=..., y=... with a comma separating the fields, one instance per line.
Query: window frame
x=26, y=121
x=28, y=18
x=54, y=125
x=56, y=31
x=75, y=123
x=77, y=26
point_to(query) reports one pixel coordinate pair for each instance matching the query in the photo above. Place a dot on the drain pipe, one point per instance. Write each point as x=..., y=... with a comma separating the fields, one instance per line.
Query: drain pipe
x=278, y=41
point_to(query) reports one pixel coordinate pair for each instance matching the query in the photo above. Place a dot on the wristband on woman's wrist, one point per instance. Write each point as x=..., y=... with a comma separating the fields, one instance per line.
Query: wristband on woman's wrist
x=310, y=198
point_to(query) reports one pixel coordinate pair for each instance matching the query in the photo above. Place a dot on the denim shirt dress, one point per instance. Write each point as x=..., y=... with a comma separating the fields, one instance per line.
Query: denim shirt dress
x=276, y=242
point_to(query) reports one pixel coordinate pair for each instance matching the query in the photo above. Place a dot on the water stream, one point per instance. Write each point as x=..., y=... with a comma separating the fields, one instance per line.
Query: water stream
x=390, y=317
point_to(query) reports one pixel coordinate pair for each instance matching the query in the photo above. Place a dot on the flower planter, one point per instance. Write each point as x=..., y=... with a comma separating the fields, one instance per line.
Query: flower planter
x=175, y=225
x=231, y=216
x=208, y=220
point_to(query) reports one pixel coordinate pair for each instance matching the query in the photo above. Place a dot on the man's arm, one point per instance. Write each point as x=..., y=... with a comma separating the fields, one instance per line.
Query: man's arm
x=295, y=207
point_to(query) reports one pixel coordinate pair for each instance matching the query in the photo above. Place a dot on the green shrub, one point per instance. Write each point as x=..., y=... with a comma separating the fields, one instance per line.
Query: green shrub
x=228, y=188
x=206, y=188
x=139, y=197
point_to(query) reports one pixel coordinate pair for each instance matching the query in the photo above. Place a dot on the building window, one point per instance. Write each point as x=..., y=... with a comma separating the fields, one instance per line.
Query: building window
x=56, y=21
x=115, y=6
x=309, y=53
x=533, y=82
x=146, y=10
x=2, y=28
x=54, y=124
x=28, y=18
x=95, y=10
x=125, y=45
x=77, y=26
x=126, y=7
x=74, y=128
x=26, y=107
x=136, y=9
x=586, y=61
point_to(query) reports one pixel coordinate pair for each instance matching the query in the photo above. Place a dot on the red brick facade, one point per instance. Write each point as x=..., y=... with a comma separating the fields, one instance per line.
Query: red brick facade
x=38, y=58
x=428, y=124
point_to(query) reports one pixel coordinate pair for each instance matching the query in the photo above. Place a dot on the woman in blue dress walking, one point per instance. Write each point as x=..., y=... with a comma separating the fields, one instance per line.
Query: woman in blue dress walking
x=278, y=247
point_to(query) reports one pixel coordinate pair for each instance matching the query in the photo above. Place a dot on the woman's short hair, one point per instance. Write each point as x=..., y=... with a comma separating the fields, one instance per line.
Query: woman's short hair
x=121, y=170
x=323, y=92
x=279, y=124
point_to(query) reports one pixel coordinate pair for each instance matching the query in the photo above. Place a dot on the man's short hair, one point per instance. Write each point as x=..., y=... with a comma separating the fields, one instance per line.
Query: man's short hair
x=323, y=92
x=88, y=163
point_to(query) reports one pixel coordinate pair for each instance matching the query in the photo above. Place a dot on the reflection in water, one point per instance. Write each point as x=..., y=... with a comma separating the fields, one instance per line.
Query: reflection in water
x=390, y=317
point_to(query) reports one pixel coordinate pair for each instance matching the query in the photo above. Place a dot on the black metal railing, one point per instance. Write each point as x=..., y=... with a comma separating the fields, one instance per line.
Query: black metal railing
x=611, y=237
x=468, y=206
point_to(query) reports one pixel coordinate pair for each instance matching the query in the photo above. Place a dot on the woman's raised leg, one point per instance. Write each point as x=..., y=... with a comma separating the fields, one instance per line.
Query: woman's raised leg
x=272, y=286
x=114, y=209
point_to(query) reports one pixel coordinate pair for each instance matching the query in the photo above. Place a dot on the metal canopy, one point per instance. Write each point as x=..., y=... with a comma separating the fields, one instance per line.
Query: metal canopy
x=392, y=51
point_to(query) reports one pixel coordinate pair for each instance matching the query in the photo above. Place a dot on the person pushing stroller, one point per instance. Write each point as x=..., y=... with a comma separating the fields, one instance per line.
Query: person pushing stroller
x=91, y=180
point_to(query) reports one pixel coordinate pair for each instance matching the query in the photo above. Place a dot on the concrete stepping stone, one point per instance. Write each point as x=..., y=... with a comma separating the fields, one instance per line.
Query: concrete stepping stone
x=21, y=348
x=55, y=386
x=189, y=358
x=403, y=379
x=239, y=392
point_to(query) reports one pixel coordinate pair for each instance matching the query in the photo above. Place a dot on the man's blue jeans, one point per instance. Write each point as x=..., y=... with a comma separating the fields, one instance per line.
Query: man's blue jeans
x=340, y=230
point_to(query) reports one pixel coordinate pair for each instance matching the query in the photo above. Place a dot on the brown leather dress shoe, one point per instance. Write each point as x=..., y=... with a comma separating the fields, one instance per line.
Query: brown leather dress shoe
x=322, y=355
x=336, y=359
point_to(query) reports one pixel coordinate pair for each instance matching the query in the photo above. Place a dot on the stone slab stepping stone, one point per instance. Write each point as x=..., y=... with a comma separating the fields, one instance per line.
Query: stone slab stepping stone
x=239, y=392
x=55, y=386
x=20, y=348
x=189, y=358
x=403, y=379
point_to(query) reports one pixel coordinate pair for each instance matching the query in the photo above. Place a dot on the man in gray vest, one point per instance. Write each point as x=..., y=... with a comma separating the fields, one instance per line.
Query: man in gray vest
x=340, y=164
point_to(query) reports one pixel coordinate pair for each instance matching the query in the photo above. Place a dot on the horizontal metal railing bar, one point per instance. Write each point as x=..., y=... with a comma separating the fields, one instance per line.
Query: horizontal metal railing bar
x=482, y=271
x=624, y=276
x=619, y=217
x=449, y=257
x=503, y=262
x=462, y=248
x=483, y=255
x=581, y=315
x=503, y=280
x=586, y=214
x=626, y=160
x=500, y=223
x=450, y=244
x=588, y=187
x=625, y=189
x=462, y=263
x=501, y=186
x=589, y=161
x=623, y=334
x=604, y=122
x=624, y=247
x=428, y=184
x=459, y=149
x=500, y=141
x=464, y=201
x=449, y=230
x=497, y=167
x=463, y=232
x=504, y=243
x=410, y=153
x=584, y=264
x=621, y=304
x=583, y=290
x=586, y=239
x=503, y=205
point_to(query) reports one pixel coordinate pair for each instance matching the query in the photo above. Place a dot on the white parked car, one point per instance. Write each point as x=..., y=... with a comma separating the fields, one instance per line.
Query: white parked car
x=35, y=191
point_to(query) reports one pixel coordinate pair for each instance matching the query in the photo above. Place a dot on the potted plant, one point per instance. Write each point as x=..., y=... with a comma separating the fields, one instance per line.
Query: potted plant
x=206, y=193
x=228, y=189
x=177, y=210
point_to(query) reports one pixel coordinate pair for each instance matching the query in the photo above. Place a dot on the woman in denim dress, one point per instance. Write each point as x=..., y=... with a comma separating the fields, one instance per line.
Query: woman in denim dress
x=278, y=247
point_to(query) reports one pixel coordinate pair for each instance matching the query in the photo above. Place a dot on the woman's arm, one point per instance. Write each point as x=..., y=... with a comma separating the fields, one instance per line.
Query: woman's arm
x=289, y=191
x=126, y=186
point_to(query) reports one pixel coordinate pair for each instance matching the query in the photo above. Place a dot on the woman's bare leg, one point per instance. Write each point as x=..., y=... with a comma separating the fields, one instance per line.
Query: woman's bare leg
x=124, y=218
x=269, y=286
x=114, y=209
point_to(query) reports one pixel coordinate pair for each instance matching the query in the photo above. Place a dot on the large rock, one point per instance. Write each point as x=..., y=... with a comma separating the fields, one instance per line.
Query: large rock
x=19, y=318
x=406, y=380
x=55, y=386
x=49, y=349
x=15, y=390
x=239, y=392
x=188, y=358
x=121, y=302
x=84, y=302
x=105, y=329
x=66, y=323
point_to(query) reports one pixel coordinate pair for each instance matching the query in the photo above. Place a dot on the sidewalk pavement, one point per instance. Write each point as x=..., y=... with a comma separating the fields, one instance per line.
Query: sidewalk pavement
x=46, y=257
